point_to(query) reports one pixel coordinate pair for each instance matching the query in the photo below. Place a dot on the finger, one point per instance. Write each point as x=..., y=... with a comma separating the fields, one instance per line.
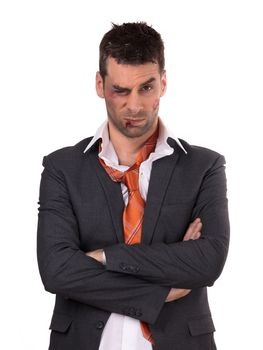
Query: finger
x=193, y=233
x=191, y=228
x=197, y=235
x=194, y=236
x=190, y=235
x=195, y=223
x=187, y=291
x=184, y=292
x=187, y=236
x=198, y=227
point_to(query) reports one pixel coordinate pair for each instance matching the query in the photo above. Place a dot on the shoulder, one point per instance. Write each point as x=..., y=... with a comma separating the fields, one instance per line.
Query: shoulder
x=69, y=155
x=201, y=155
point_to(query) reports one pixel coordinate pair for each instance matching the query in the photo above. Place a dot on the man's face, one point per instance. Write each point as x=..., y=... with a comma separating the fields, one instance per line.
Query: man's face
x=132, y=94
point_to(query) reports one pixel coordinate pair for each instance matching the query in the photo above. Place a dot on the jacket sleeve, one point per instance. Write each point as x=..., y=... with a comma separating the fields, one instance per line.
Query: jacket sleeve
x=188, y=264
x=67, y=271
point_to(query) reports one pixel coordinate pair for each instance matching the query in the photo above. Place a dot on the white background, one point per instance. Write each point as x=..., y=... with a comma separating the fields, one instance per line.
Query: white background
x=48, y=60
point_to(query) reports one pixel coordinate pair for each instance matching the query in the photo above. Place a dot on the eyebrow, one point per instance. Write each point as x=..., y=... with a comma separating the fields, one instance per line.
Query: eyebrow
x=118, y=87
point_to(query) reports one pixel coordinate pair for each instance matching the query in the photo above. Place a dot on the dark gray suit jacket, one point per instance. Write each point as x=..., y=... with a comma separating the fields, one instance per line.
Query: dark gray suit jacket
x=81, y=210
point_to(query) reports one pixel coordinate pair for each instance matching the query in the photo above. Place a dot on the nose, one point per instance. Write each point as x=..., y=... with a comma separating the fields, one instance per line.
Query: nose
x=133, y=103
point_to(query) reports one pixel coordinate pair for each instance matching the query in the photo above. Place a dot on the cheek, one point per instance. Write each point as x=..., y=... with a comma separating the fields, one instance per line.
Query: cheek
x=112, y=100
x=156, y=104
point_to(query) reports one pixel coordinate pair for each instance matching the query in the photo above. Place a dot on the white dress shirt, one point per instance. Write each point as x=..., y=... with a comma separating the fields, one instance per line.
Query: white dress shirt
x=123, y=332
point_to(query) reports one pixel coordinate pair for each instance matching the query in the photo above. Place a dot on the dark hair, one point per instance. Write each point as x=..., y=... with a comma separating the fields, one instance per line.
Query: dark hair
x=131, y=43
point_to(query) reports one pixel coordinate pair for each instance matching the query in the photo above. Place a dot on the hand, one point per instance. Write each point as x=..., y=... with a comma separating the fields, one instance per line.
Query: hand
x=176, y=293
x=193, y=232
x=97, y=255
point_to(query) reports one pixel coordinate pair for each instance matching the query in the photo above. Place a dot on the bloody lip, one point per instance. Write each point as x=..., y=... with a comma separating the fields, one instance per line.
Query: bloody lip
x=133, y=122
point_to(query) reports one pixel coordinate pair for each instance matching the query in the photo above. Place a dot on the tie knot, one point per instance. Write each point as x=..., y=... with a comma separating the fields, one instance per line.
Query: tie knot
x=131, y=179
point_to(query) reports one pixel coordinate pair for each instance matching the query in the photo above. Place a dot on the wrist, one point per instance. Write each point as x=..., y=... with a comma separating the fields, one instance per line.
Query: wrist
x=98, y=255
x=103, y=258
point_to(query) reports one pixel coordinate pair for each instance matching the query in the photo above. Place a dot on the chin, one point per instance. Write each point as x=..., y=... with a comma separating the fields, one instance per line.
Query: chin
x=135, y=132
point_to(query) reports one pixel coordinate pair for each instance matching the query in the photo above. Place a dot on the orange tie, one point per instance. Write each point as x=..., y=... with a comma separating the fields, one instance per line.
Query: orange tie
x=134, y=211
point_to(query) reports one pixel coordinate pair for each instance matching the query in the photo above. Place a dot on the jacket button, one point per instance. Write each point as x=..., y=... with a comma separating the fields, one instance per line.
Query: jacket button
x=123, y=266
x=138, y=313
x=100, y=325
x=132, y=311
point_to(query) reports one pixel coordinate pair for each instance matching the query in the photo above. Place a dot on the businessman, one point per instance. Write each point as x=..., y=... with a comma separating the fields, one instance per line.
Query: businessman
x=133, y=223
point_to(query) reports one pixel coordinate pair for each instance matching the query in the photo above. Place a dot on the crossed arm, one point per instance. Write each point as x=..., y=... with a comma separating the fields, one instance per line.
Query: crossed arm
x=168, y=271
x=193, y=232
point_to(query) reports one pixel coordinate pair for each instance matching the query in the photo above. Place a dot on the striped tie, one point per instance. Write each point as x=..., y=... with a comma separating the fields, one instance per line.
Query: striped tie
x=134, y=211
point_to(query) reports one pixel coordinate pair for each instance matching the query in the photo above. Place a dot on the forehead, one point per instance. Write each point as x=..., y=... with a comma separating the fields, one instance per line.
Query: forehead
x=128, y=75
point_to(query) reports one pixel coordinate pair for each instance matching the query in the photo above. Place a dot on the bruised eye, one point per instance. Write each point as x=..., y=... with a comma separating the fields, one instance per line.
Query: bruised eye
x=120, y=91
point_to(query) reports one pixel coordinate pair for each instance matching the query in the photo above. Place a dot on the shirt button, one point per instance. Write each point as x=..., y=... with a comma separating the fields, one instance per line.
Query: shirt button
x=100, y=325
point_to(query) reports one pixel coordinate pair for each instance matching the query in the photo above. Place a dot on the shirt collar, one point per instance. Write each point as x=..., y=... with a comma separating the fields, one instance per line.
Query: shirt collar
x=103, y=133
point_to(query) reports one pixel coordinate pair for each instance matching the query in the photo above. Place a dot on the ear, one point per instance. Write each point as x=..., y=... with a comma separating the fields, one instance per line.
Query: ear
x=99, y=85
x=163, y=83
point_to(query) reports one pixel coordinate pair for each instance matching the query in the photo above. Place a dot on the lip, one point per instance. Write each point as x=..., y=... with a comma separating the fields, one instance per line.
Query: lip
x=133, y=121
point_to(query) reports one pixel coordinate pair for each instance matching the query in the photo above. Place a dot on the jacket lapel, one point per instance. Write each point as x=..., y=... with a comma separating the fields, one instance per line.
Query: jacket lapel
x=161, y=173
x=112, y=191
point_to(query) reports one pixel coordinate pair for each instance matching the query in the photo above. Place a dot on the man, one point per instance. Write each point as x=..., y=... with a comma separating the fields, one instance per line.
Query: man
x=133, y=222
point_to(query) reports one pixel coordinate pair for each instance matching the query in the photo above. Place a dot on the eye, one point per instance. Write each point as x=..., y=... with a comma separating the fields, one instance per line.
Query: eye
x=147, y=88
x=120, y=91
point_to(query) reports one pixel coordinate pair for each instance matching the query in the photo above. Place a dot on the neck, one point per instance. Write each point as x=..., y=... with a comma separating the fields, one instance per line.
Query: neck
x=127, y=148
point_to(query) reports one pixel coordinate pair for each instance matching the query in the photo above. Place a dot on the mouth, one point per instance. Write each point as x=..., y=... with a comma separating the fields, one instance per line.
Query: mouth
x=133, y=122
